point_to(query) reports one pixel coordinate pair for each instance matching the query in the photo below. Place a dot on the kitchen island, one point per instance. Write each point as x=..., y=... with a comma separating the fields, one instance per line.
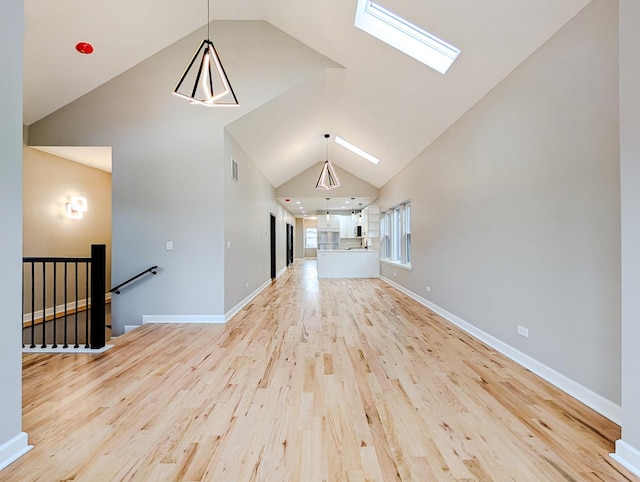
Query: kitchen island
x=348, y=263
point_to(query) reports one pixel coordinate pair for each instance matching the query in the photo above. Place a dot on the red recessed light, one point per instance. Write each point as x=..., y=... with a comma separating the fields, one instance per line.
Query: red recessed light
x=84, y=48
x=287, y=200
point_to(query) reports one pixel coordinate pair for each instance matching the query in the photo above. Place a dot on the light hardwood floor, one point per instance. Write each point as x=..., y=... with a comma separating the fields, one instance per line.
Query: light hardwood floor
x=315, y=380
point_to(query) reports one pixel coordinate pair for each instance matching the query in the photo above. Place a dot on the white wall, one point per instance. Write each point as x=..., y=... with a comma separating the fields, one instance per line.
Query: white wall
x=249, y=204
x=516, y=208
x=628, y=449
x=12, y=441
x=169, y=163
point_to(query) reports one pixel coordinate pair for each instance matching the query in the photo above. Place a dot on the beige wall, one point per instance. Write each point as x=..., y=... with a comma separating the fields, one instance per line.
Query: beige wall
x=49, y=182
x=298, y=239
x=516, y=208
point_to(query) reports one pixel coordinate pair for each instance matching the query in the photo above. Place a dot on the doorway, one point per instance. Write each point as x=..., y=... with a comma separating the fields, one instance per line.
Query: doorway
x=273, y=246
x=289, y=244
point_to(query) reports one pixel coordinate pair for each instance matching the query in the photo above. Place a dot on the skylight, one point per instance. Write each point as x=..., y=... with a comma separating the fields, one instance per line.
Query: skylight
x=405, y=36
x=357, y=150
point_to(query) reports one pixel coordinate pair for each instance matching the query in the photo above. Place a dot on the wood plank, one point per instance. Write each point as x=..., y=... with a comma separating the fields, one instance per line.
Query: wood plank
x=312, y=381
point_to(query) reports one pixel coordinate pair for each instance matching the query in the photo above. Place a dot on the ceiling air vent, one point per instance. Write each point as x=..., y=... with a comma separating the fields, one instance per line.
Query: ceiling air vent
x=234, y=170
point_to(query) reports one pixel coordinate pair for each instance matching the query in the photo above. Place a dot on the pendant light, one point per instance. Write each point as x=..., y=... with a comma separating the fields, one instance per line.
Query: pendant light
x=353, y=209
x=328, y=216
x=328, y=179
x=207, y=84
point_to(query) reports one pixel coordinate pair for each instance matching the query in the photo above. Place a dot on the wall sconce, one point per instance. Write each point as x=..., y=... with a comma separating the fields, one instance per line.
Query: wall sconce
x=76, y=207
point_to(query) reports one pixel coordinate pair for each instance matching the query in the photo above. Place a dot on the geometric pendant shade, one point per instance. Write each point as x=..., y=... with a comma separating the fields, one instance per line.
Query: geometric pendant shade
x=328, y=178
x=204, y=81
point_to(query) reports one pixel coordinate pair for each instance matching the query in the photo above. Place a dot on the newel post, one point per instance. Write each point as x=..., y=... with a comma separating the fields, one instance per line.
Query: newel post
x=98, y=289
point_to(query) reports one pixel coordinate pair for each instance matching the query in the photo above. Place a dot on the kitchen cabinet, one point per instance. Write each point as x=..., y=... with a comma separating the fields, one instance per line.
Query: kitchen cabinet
x=347, y=227
x=344, y=263
x=371, y=226
x=332, y=225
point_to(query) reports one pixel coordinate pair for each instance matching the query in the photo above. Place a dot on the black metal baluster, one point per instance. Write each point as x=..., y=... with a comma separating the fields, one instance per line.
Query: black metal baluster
x=87, y=306
x=33, y=305
x=44, y=304
x=66, y=345
x=76, y=345
x=55, y=305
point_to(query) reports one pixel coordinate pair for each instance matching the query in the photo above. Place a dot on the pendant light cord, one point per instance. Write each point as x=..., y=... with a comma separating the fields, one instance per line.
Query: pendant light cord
x=327, y=156
x=208, y=18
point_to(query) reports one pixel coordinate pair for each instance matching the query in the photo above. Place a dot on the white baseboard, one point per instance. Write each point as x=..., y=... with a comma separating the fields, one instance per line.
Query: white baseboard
x=69, y=349
x=281, y=272
x=234, y=311
x=597, y=402
x=206, y=318
x=182, y=319
x=128, y=328
x=59, y=309
x=14, y=449
x=627, y=456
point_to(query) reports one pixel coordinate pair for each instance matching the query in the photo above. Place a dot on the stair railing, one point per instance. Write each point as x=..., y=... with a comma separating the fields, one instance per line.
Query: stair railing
x=116, y=289
x=81, y=277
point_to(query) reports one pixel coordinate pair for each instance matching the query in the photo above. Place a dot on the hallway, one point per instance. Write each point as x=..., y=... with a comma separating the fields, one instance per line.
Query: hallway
x=314, y=380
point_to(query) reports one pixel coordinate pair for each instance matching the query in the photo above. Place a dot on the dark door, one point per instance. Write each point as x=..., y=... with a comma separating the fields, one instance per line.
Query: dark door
x=289, y=244
x=273, y=246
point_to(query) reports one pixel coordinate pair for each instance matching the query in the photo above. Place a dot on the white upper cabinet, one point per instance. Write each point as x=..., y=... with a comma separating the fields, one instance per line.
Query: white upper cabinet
x=332, y=225
x=347, y=227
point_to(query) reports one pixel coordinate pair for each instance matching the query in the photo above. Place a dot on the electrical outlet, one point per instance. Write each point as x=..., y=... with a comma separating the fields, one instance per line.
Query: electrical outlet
x=523, y=331
x=228, y=244
x=169, y=245
x=246, y=285
x=428, y=289
x=394, y=273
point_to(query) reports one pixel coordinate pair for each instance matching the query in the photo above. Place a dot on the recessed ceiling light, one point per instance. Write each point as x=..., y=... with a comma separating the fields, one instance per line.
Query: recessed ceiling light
x=357, y=150
x=297, y=202
x=84, y=48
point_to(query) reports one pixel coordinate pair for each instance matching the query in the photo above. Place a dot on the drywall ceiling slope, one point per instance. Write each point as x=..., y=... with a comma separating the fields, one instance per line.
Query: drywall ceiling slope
x=285, y=136
x=385, y=102
x=392, y=105
x=141, y=98
x=98, y=157
x=303, y=186
x=122, y=32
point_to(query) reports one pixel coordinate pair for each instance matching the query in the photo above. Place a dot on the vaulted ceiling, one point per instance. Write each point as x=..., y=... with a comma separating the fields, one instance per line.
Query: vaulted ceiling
x=381, y=100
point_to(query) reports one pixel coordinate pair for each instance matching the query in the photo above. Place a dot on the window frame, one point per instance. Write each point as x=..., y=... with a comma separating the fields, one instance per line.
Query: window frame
x=307, y=231
x=395, y=231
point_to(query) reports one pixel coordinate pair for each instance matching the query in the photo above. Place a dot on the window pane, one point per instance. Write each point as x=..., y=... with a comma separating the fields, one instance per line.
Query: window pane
x=311, y=238
x=407, y=217
x=395, y=235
